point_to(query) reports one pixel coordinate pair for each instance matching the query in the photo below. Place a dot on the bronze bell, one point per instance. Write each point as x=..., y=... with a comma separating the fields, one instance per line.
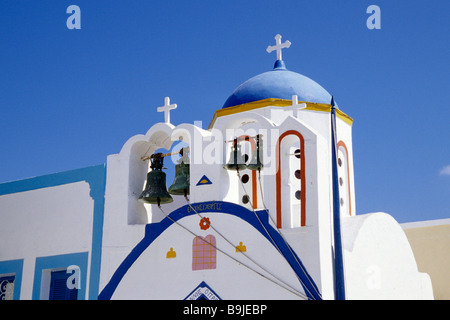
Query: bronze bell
x=256, y=160
x=180, y=185
x=236, y=161
x=155, y=191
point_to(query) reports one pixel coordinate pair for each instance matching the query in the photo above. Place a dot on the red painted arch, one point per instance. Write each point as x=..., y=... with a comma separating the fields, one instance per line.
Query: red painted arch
x=302, y=178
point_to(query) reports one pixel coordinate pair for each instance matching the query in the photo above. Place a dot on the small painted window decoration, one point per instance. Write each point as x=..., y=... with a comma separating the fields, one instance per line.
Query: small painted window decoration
x=171, y=254
x=6, y=287
x=241, y=247
x=204, y=253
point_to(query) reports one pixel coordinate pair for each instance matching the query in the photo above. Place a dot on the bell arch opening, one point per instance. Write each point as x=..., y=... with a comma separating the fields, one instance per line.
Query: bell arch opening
x=161, y=139
x=290, y=180
x=168, y=183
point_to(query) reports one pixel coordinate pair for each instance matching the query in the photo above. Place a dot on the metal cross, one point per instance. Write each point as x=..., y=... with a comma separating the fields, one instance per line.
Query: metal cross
x=166, y=109
x=278, y=46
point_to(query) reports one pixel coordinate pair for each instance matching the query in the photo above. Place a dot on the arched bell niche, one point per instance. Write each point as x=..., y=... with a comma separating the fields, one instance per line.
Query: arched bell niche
x=164, y=138
x=154, y=213
x=245, y=189
x=138, y=148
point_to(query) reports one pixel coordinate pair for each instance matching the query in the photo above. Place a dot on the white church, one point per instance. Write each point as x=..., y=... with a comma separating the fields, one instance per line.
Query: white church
x=262, y=207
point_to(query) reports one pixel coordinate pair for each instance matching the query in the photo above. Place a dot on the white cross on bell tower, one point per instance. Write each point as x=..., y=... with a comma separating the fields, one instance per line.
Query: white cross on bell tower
x=166, y=109
x=295, y=107
x=278, y=46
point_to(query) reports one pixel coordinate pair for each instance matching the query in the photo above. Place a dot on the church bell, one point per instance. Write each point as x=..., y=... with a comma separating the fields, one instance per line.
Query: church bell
x=256, y=160
x=236, y=161
x=155, y=191
x=180, y=185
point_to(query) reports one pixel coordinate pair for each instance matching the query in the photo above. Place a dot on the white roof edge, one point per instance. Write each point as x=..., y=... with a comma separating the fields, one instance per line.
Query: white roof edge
x=427, y=223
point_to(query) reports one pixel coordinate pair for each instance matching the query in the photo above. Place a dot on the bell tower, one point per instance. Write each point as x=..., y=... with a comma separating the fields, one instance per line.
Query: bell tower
x=291, y=114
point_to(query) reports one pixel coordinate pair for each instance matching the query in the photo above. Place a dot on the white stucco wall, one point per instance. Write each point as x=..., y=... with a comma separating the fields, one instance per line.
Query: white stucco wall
x=153, y=276
x=379, y=262
x=45, y=222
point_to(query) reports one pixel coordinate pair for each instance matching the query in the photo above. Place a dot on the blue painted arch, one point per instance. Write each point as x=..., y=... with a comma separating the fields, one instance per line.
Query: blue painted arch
x=154, y=230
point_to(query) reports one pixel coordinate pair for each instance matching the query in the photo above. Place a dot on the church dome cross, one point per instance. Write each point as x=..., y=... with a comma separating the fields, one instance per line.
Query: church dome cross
x=278, y=46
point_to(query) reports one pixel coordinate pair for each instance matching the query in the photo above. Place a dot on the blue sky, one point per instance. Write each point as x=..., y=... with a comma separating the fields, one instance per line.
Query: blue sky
x=69, y=98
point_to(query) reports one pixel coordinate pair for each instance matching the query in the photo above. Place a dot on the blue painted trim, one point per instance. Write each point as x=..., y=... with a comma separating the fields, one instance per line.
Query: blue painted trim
x=203, y=285
x=154, y=230
x=50, y=180
x=98, y=186
x=95, y=176
x=338, y=254
x=16, y=267
x=61, y=261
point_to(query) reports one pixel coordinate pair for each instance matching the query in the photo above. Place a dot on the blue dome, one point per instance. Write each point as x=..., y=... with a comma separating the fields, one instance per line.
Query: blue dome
x=278, y=83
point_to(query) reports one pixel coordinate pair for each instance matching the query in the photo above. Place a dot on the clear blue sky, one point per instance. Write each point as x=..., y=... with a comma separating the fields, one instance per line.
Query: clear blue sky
x=69, y=98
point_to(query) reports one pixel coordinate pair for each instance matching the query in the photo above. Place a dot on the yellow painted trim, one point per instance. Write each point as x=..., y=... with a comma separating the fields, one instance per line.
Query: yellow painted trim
x=345, y=117
x=277, y=103
x=249, y=106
